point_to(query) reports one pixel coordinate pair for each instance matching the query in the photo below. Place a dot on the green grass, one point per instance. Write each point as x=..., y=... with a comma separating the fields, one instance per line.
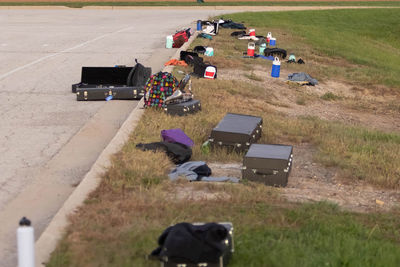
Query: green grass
x=266, y=234
x=329, y=96
x=361, y=153
x=78, y=4
x=315, y=237
x=368, y=39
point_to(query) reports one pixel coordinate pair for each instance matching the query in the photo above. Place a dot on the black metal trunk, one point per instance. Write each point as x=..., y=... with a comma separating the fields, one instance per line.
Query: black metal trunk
x=121, y=82
x=237, y=131
x=268, y=164
x=101, y=93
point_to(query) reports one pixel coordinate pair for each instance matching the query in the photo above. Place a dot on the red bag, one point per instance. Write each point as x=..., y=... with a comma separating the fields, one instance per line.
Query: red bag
x=180, y=38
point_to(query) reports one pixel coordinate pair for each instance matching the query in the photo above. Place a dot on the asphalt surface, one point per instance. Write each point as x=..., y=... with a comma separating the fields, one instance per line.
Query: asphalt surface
x=48, y=140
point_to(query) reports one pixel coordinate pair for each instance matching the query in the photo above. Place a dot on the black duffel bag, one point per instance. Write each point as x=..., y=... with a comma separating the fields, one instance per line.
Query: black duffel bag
x=199, y=49
x=177, y=152
x=188, y=56
x=279, y=52
x=194, y=244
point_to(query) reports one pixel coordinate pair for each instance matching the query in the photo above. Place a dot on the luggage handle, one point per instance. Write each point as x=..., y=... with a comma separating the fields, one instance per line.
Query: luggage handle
x=272, y=172
x=131, y=73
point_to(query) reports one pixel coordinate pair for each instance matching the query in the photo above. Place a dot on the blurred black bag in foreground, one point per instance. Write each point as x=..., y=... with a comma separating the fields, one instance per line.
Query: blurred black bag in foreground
x=209, y=244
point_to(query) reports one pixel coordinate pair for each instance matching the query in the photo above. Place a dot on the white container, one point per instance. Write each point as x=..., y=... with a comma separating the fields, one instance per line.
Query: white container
x=26, y=244
x=169, y=41
x=269, y=36
x=210, y=72
x=209, y=52
x=262, y=48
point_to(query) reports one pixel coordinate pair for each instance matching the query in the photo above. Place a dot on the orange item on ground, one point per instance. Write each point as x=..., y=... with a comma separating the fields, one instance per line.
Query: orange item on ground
x=175, y=62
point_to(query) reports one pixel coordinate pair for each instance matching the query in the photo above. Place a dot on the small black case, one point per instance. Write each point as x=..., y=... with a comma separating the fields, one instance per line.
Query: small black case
x=184, y=108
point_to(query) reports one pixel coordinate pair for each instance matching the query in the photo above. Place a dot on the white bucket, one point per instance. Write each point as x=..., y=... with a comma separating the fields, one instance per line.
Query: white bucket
x=169, y=41
x=210, y=72
x=209, y=52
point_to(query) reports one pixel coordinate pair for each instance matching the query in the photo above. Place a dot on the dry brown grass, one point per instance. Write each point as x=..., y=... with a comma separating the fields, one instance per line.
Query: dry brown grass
x=119, y=223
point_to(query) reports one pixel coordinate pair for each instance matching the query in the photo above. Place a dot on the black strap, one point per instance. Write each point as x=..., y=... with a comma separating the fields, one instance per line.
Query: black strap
x=130, y=75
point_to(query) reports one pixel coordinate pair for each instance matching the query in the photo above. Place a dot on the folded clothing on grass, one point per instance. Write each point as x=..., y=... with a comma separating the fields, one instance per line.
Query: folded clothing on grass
x=198, y=171
x=302, y=77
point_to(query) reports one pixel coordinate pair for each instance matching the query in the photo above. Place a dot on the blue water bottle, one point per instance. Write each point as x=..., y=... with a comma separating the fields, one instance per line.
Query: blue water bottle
x=199, y=26
x=276, y=68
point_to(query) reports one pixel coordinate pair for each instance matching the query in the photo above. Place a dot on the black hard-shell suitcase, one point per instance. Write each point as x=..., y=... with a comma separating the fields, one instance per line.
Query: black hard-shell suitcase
x=236, y=131
x=125, y=82
x=108, y=93
x=184, y=108
x=92, y=77
x=268, y=164
x=223, y=260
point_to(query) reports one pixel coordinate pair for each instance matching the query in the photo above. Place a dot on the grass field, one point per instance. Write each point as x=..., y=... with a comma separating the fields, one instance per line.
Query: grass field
x=120, y=222
x=78, y=4
x=370, y=39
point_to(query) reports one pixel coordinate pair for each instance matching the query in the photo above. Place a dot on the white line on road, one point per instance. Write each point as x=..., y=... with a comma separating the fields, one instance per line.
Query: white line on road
x=61, y=52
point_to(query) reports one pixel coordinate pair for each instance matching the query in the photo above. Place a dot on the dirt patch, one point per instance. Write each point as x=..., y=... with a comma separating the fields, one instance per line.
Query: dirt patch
x=309, y=180
x=356, y=106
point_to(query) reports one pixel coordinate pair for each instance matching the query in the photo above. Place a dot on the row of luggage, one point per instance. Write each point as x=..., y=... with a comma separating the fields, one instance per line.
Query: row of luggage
x=131, y=83
x=211, y=244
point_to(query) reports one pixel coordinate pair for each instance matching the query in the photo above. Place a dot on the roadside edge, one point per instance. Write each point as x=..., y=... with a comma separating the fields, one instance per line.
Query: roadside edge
x=53, y=233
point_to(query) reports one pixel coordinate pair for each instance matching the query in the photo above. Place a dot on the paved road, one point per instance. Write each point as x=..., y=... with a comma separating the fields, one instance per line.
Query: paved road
x=48, y=141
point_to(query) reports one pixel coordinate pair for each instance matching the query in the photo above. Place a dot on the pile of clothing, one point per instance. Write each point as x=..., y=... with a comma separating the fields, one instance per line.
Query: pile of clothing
x=229, y=24
x=198, y=171
x=175, y=143
x=178, y=146
x=302, y=78
x=210, y=27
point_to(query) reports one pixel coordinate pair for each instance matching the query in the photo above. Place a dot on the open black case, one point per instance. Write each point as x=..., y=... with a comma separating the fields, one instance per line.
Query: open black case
x=120, y=82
